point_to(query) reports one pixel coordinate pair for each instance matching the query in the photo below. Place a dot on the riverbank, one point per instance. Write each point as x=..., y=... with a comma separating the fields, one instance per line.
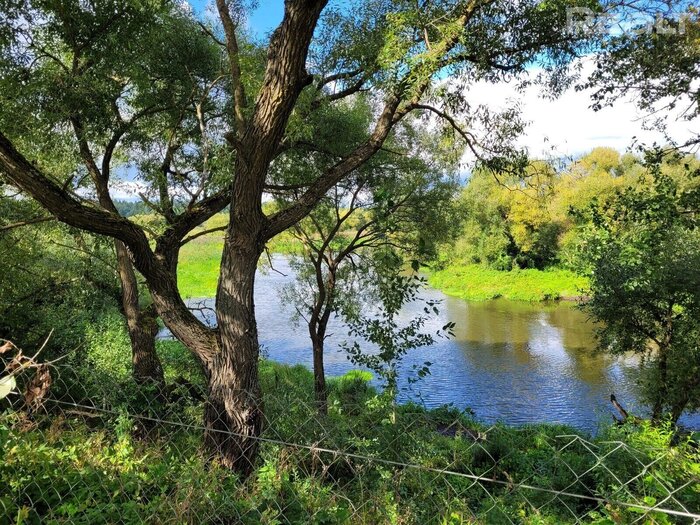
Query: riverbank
x=200, y=260
x=476, y=283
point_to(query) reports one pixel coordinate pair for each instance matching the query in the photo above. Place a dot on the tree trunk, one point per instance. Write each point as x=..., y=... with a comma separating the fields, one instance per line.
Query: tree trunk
x=234, y=412
x=141, y=325
x=678, y=408
x=320, y=392
x=318, y=324
x=662, y=390
x=146, y=365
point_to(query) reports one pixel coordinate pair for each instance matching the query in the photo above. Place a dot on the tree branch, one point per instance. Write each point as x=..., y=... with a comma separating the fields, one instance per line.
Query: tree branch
x=14, y=225
x=202, y=233
x=468, y=137
x=69, y=210
x=235, y=64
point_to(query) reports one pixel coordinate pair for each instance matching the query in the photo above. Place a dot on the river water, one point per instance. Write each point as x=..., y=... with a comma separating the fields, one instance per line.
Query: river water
x=509, y=361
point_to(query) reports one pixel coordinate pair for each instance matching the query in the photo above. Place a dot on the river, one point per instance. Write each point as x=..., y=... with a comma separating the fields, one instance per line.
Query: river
x=509, y=361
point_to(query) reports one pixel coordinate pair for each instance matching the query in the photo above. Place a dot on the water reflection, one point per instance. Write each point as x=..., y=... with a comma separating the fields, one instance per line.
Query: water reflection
x=510, y=361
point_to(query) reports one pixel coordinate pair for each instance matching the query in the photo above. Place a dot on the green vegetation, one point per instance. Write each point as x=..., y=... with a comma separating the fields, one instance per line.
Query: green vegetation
x=101, y=85
x=91, y=469
x=477, y=283
x=522, y=236
x=644, y=258
x=200, y=258
x=206, y=121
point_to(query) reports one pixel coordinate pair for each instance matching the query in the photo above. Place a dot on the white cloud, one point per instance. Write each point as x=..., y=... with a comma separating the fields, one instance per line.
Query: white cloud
x=568, y=126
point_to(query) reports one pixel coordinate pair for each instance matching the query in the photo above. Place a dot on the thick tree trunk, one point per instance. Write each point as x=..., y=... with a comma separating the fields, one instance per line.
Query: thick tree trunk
x=142, y=327
x=234, y=412
x=146, y=365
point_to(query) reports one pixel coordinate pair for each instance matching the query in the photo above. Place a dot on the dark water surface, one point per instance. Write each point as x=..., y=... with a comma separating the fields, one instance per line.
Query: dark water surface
x=510, y=361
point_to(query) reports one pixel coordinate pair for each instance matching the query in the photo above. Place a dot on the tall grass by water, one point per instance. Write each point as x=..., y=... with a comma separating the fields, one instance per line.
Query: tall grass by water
x=477, y=283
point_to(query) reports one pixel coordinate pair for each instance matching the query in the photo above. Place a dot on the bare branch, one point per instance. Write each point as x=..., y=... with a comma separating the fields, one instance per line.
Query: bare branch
x=234, y=62
x=203, y=233
x=20, y=224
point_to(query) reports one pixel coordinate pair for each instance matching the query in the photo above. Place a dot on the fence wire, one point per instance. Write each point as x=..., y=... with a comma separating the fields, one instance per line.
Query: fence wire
x=86, y=449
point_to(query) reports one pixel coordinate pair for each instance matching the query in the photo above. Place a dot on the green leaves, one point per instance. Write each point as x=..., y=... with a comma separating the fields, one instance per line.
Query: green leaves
x=645, y=283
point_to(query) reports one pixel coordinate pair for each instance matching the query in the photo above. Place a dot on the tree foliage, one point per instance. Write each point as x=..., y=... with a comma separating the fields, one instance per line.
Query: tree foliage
x=111, y=63
x=644, y=254
x=533, y=221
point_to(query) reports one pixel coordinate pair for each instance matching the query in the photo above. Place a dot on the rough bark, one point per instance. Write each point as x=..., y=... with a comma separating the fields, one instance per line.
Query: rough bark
x=141, y=325
x=233, y=414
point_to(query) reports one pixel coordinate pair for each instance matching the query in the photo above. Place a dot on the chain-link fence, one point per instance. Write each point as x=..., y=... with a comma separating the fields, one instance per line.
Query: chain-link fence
x=86, y=450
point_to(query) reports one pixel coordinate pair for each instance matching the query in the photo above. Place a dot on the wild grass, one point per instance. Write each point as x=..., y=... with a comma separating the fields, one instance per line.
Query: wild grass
x=73, y=467
x=200, y=259
x=477, y=283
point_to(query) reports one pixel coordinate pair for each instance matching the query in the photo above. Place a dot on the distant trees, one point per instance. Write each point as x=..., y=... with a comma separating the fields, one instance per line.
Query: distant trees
x=643, y=251
x=131, y=208
x=533, y=221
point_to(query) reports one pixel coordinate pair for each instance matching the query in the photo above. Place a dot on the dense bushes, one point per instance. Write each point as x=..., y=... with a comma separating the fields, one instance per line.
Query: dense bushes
x=73, y=467
x=526, y=221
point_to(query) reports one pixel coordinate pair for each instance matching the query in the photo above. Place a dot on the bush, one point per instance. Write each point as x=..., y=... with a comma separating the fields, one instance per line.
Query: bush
x=387, y=465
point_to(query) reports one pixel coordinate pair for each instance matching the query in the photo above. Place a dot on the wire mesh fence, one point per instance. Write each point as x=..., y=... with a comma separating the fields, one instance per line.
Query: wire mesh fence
x=87, y=450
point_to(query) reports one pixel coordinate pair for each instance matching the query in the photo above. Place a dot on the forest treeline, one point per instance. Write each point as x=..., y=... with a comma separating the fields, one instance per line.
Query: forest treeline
x=542, y=220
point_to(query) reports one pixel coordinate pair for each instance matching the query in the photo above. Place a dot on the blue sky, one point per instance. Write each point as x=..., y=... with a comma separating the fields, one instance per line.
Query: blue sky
x=262, y=21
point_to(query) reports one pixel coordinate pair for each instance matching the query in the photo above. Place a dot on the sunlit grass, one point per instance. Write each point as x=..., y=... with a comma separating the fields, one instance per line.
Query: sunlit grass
x=474, y=282
x=200, y=259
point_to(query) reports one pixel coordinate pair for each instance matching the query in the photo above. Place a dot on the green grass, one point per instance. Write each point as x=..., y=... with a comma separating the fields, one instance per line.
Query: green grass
x=66, y=468
x=200, y=259
x=477, y=283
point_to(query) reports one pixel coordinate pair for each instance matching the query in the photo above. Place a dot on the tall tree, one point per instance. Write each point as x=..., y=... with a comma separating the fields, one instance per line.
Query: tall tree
x=645, y=284
x=143, y=69
x=396, y=51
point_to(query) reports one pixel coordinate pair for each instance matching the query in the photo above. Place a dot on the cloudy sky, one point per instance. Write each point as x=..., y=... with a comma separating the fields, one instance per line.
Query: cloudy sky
x=568, y=126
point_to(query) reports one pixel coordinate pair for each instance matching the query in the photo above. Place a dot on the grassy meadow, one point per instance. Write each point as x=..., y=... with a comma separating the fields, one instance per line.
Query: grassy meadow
x=478, y=283
x=200, y=259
